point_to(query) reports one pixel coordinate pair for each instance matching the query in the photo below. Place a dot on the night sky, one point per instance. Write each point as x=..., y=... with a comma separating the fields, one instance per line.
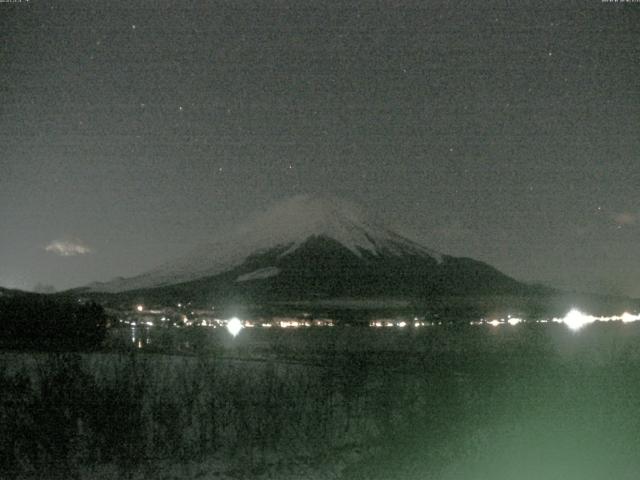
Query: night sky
x=509, y=132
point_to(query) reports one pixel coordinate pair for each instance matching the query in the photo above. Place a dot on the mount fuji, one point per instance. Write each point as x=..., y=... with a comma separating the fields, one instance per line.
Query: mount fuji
x=307, y=248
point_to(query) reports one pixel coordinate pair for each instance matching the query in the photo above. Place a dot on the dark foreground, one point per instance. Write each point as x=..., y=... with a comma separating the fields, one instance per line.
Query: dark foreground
x=525, y=402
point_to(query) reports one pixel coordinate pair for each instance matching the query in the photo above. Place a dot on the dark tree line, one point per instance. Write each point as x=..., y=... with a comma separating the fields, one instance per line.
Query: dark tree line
x=41, y=322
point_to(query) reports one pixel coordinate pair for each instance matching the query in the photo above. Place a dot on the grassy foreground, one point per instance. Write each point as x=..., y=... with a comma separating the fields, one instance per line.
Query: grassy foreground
x=508, y=403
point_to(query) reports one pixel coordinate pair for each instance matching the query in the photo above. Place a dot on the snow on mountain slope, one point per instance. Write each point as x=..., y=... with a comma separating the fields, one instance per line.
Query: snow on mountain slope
x=259, y=274
x=286, y=225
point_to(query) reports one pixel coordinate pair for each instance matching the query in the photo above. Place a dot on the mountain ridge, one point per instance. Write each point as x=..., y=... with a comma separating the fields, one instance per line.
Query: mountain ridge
x=287, y=226
x=310, y=249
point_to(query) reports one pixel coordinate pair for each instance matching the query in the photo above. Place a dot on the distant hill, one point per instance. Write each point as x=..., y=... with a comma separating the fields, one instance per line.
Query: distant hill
x=32, y=321
x=11, y=292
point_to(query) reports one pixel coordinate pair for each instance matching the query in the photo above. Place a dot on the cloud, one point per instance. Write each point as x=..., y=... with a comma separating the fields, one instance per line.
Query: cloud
x=625, y=218
x=68, y=248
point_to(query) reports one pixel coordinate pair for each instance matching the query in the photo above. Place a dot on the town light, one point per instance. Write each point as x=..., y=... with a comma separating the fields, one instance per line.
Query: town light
x=575, y=319
x=234, y=326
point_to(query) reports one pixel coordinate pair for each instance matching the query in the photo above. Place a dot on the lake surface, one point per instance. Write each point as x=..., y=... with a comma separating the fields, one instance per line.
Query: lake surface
x=463, y=403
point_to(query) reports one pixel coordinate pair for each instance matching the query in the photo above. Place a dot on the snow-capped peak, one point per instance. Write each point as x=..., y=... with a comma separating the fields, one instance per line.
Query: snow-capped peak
x=296, y=219
x=285, y=225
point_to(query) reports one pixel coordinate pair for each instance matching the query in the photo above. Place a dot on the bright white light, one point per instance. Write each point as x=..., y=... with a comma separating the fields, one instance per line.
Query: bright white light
x=628, y=317
x=402, y=324
x=575, y=319
x=234, y=326
x=139, y=308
